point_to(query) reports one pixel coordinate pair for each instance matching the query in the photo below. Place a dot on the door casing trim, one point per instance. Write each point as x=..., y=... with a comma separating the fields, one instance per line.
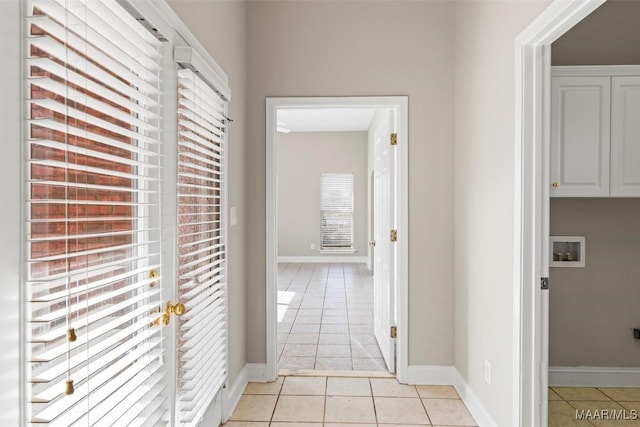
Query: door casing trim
x=401, y=105
x=531, y=200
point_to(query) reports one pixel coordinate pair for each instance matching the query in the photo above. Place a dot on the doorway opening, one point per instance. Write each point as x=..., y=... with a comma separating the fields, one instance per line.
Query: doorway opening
x=532, y=172
x=326, y=308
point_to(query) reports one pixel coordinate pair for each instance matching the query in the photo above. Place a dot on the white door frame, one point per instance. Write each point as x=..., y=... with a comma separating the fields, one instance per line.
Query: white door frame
x=533, y=69
x=400, y=104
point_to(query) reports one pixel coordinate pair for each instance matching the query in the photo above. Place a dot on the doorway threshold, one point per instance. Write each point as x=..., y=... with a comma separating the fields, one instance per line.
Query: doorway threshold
x=333, y=373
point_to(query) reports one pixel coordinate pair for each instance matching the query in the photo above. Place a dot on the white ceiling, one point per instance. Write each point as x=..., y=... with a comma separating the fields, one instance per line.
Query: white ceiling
x=325, y=119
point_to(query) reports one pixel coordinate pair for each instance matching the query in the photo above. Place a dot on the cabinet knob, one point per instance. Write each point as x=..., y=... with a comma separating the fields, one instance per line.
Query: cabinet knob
x=555, y=185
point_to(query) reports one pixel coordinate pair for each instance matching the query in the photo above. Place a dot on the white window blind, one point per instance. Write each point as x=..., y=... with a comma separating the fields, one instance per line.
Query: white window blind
x=92, y=152
x=336, y=210
x=202, y=282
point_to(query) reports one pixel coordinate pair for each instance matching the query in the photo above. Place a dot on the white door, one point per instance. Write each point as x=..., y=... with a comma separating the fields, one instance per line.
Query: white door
x=580, y=123
x=385, y=251
x=94, y=267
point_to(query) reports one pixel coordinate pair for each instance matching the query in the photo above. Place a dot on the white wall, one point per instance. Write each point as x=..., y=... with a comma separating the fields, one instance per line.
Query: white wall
x=302, y=158
x=220, y=27
x=484, y=195
x=320, y=48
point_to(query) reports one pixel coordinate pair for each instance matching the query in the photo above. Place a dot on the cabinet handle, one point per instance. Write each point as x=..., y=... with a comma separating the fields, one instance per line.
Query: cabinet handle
x=555, y=185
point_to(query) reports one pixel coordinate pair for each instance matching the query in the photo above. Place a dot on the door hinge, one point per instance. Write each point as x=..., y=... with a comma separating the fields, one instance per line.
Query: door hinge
x=394, y=235
x=394, y=332
x=393, y=139
x=544, y=283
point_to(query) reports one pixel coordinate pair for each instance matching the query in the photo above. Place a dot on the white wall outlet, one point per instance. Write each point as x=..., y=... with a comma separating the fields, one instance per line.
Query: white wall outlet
x=487, y=371
x=312, y=246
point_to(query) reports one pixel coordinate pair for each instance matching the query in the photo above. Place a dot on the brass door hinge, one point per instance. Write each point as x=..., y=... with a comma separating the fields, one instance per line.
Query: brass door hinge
x=394, y=332
x=394, y=235
x=393, y=139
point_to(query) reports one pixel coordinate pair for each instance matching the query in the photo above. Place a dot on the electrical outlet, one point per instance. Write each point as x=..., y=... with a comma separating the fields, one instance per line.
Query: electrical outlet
x=487, y=371
x=312, y=246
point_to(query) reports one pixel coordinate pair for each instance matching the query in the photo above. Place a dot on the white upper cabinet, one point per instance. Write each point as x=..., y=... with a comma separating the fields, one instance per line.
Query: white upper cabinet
x=580, y=136
x=595, y=131
x=625, y=136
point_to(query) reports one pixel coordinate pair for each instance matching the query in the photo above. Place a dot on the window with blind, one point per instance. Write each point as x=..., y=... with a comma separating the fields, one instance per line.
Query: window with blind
x=93, y=155
x=336, y=216
x=202, y=282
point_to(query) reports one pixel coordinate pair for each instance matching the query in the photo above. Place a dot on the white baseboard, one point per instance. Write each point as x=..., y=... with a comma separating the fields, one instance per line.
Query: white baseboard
x=234, y=393
x=430, y=375
x=258, y=373
x=322, y=259
x=449, y=375
x=593, y=376
x=475, y=406
x=251, y=372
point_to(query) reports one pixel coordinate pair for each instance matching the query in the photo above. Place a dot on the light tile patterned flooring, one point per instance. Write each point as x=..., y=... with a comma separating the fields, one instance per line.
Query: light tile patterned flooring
x=296, y=401
x=325, y=318
x=565, y=401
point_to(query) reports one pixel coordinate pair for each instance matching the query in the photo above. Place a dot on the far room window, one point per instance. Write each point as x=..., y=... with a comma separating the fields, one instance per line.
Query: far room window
x=336, y=211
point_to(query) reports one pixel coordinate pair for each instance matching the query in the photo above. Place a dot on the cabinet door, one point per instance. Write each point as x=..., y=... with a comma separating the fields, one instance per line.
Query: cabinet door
x=580, y=136
x=625, y=137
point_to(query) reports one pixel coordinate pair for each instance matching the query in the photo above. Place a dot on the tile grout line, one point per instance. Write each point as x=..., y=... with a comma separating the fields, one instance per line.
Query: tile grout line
x=373, y=399
x=315, y=359
x=346, y=309
x=424, y=407
x=326, y=389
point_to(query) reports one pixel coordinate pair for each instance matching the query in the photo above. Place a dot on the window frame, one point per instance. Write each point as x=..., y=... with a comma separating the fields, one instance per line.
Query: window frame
x=346, y=178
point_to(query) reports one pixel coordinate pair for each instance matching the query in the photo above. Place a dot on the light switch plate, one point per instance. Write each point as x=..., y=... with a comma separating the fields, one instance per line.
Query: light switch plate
x=233, y=216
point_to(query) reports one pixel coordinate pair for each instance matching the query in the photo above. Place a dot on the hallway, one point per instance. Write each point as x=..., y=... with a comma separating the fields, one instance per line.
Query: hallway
x=325, y=318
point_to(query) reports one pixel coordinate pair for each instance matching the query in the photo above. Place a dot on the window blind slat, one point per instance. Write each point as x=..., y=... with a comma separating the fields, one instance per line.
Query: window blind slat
x=203, y=273
x=201, y=99
x=59, y=52
x=42, y=292
x=60, y=349
x=101, y=32
x=188, y=134
x=110, y=84
x=96, y=137
x=93, y=153
x=51, y=373
x=118, y=131
x=201, y=249
x=336, y=211
x=96, y=101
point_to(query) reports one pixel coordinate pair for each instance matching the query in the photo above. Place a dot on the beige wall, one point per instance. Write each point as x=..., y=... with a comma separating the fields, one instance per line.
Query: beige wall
x=320, y=48
x=609, y=35
x=484, y=195
x=302, y=158
x=225, y=41
x=593, y=309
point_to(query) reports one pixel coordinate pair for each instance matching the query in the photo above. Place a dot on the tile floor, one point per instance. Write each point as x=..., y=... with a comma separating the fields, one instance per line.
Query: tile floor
x=565, y=401
x=325, y=318
x=296, y=401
